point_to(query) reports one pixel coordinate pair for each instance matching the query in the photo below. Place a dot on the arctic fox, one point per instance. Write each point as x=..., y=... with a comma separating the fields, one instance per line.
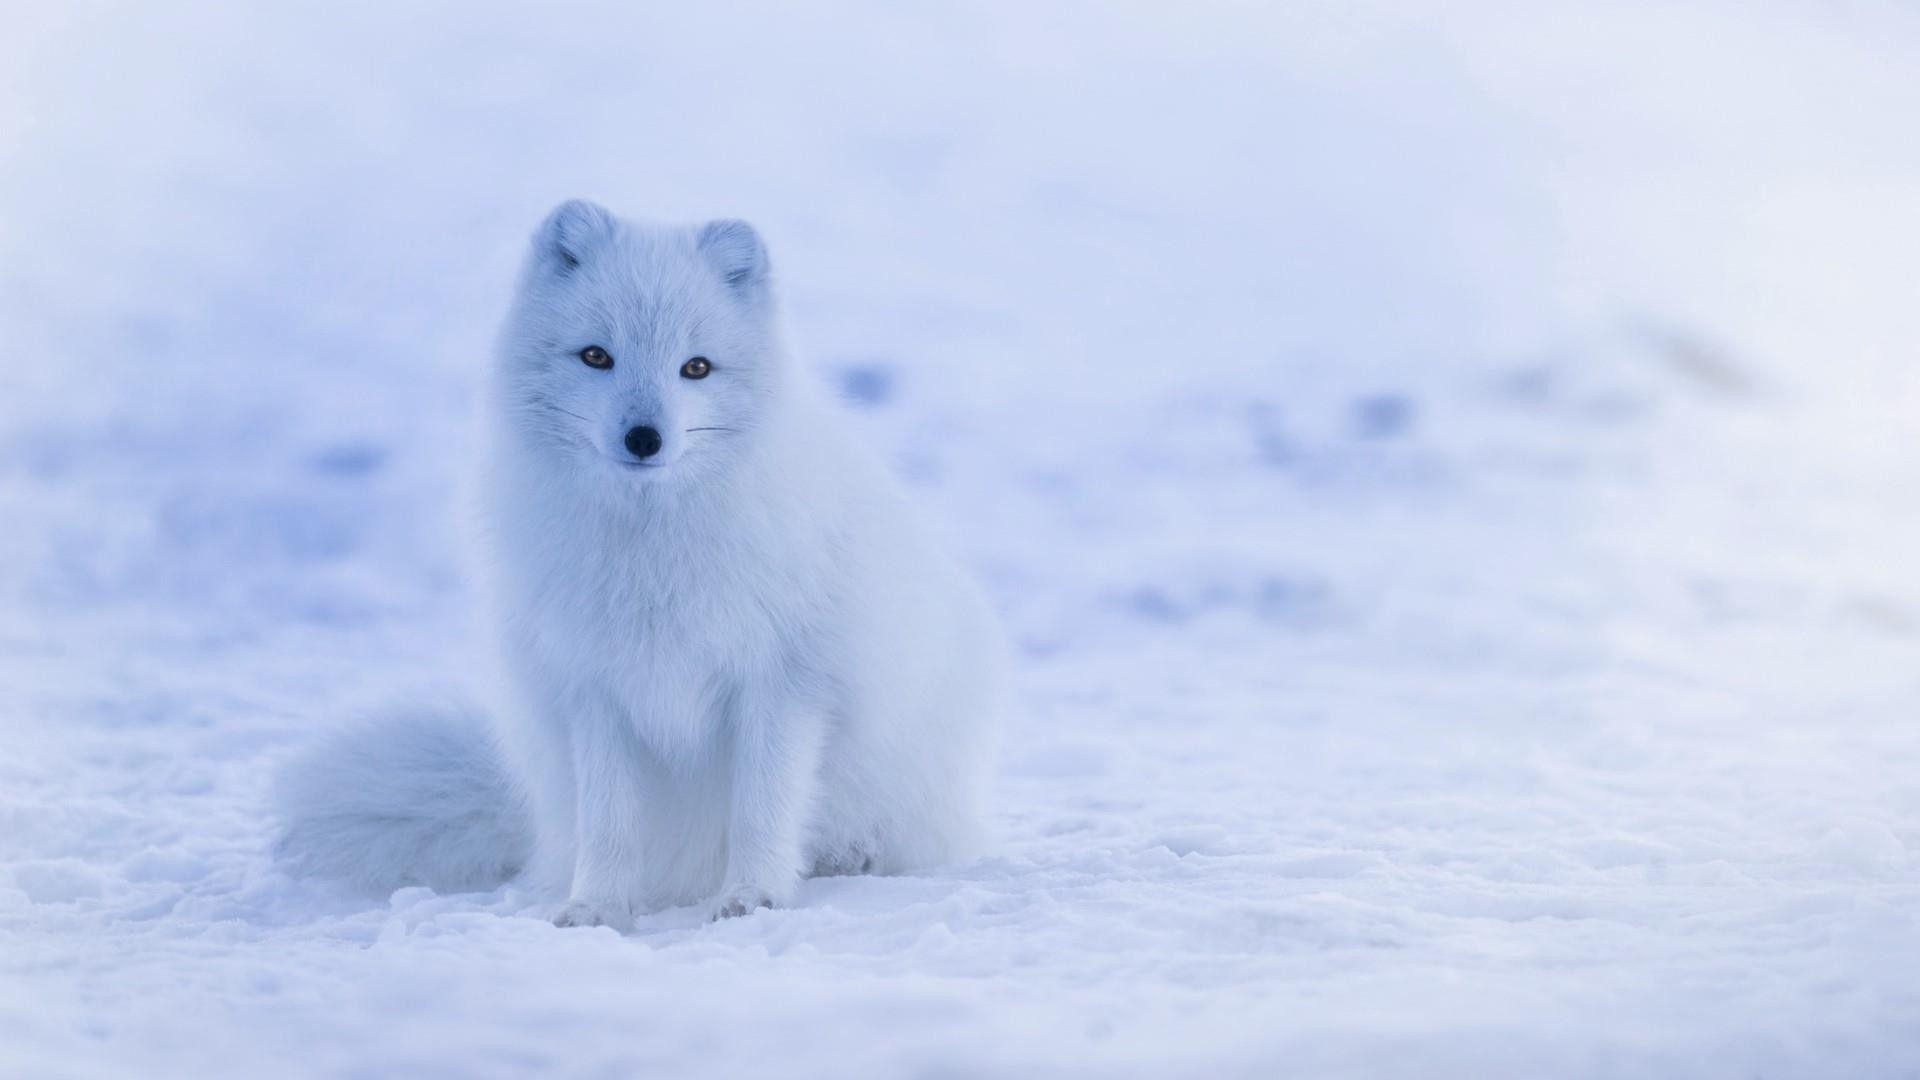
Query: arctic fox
x=728, y=656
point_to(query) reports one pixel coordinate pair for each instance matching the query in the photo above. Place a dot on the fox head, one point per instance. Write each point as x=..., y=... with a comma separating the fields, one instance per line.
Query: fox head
x=644, y=352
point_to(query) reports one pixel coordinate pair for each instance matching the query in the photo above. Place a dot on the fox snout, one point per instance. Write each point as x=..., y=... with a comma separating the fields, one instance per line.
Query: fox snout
x=643, y=442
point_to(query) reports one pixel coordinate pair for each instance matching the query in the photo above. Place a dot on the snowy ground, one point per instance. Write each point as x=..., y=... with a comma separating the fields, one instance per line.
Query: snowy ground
x=1451, y=478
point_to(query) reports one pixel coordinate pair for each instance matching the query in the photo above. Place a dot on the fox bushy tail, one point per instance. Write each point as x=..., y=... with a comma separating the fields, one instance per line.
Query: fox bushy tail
x=416, y=797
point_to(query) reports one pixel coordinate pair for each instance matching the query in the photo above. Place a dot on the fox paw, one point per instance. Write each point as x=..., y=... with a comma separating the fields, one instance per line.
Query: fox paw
x=843, y=863
x=740, y=900
x=593, y=913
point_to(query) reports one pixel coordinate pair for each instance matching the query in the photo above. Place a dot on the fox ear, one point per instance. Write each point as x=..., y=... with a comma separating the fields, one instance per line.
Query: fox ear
x=570, y=234
x=735, y=250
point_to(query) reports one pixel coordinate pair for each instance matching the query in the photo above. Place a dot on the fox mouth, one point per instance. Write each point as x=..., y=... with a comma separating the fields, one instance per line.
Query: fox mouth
x=654, y=464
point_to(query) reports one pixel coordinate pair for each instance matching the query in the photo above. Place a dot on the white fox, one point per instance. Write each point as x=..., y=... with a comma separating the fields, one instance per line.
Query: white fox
x=729, y=657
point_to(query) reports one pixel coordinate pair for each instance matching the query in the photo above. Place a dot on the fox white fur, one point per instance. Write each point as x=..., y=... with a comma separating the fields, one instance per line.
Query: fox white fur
x=726, y=666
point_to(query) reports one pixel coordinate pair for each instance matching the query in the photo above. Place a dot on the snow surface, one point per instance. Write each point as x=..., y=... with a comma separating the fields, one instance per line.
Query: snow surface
x=1450, y=475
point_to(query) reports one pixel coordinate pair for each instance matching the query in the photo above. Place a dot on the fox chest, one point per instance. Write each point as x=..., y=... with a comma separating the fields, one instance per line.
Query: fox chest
x=664, y=644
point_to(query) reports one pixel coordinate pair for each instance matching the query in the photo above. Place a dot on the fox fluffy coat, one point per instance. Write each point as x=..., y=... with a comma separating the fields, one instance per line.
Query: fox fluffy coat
x=729, y=657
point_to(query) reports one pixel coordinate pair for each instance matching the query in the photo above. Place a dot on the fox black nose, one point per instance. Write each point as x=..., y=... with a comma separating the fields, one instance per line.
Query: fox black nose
x=643, y=442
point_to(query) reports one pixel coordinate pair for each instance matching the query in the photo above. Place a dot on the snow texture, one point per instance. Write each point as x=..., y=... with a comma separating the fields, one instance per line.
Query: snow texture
x=1448, y=470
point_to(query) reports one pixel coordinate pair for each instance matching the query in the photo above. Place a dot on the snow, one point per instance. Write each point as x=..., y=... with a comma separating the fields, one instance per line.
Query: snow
x=1449, y=476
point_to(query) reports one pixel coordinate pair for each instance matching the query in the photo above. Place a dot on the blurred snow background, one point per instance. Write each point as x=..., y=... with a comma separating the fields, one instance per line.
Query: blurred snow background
x=1450, y=475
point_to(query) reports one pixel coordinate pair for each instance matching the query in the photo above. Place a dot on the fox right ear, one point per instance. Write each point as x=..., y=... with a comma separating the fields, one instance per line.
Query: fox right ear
x=570, y=234
x=737, y=252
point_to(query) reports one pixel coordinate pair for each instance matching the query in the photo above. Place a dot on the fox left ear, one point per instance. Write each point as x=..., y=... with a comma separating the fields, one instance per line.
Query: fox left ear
x=574, y=229
x=735, y=250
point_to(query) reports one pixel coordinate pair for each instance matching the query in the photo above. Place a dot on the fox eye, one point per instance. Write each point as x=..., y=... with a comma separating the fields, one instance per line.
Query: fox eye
x=696, y=368
x=596, y=357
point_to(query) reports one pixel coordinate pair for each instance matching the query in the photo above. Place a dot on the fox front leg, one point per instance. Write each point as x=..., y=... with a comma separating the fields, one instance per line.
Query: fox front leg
x=776, y=760
x=607, y=821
